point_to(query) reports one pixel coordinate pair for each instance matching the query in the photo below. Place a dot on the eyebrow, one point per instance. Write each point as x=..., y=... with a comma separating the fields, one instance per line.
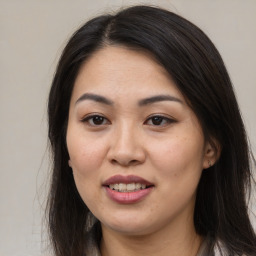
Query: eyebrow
x=158, y=98
x=95, y=97
x=143, y=102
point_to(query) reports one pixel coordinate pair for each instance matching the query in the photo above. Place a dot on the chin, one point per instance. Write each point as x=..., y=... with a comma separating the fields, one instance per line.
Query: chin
x=128, y=225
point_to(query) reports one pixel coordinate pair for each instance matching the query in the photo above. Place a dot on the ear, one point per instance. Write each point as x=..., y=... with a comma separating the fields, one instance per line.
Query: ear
x=211, y=153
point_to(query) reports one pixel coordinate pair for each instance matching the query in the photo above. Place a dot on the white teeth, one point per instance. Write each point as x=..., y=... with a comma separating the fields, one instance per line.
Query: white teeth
x=131, y=187
x=137, y=185
x=122, y=187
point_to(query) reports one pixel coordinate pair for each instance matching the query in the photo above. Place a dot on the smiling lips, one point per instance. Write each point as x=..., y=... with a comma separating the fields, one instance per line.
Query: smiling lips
x=127, y=189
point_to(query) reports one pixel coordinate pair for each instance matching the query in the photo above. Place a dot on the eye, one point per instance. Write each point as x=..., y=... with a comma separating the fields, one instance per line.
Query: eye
x=159, y=120
x=95, y=120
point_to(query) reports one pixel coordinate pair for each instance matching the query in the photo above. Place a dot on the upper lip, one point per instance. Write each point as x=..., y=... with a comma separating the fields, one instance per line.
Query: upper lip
x=116, y=179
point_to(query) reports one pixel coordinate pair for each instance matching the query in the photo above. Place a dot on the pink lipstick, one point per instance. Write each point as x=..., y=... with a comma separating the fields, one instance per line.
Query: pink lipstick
x=127, y=189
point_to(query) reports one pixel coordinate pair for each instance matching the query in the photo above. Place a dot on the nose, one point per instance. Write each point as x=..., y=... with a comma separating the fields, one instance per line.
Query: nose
x=126, y=147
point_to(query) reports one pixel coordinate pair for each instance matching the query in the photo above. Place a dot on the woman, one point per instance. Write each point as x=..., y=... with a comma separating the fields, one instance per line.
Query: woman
x=150, y=155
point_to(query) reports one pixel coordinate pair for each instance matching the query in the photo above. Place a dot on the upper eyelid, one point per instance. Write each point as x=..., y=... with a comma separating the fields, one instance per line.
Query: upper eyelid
x=90, y=116
x=164, y=116
x=169, y=120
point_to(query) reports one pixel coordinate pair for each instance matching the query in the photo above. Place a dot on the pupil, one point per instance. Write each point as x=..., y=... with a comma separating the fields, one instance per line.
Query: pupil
x=98, y=120
x=157, y=120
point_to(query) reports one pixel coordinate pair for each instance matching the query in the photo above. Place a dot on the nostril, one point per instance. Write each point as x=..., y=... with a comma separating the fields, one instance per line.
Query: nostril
x=124, y=162
x=113, y=161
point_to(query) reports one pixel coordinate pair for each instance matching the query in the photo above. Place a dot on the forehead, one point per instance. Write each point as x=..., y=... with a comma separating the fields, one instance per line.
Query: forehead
x=112, y=58
x=122, y=70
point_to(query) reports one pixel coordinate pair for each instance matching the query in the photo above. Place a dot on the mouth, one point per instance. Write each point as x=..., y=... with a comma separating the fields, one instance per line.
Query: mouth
x=128, y=183
x=127, y=189
x=130, y=187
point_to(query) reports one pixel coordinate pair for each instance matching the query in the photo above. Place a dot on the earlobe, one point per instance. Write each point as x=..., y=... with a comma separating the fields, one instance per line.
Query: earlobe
x=209, y=158
x=69, y=163
x=212, y=154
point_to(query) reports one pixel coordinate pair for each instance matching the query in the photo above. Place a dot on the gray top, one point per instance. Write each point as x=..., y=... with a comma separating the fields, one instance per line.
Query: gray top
x=92, y=248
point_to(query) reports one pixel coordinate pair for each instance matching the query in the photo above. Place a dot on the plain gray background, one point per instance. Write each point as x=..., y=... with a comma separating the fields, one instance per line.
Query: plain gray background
x=32, y=35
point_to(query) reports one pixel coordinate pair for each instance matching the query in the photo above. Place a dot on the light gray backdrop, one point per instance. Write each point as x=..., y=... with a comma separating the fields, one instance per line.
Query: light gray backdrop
x=32, y=35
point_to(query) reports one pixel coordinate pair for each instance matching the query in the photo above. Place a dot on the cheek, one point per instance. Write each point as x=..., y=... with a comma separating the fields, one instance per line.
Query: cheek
x=178, y=156
x=85, y=154
x=86, y=157
x=179, y=168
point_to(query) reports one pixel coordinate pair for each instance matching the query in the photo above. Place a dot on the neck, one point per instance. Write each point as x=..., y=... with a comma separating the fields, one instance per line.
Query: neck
x=174, y=242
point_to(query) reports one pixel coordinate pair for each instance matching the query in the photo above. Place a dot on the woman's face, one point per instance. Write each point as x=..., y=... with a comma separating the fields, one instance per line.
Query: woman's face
x=136, y=149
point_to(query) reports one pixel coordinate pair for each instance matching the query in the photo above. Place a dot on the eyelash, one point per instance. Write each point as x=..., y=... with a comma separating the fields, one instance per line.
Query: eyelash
x=167, y=120
x=105, y=121
x=89, y=118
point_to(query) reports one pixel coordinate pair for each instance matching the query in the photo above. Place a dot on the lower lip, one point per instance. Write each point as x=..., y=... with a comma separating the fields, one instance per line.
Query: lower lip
x=128, y=197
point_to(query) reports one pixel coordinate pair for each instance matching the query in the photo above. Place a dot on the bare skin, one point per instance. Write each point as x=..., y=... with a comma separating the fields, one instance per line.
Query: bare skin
x=127, y=117
x=168, y=242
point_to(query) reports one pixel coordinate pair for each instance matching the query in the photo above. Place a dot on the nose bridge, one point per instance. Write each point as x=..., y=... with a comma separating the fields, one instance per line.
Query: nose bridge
x=125, y=135
x=126, y=146
x=125, y=138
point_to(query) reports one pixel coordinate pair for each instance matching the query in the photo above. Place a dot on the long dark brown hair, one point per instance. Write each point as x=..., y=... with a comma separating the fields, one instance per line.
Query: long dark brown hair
x=195, y=65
